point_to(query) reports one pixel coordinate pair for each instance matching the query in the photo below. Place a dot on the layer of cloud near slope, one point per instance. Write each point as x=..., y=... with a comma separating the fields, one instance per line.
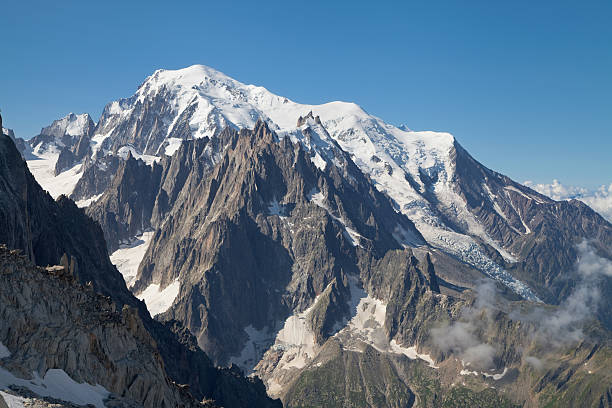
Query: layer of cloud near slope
x=599, y=200
x=461, y=338
x=555, y=327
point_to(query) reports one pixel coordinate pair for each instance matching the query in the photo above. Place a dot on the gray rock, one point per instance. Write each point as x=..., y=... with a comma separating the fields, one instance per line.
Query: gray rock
x=55, y=322
x=253, y=211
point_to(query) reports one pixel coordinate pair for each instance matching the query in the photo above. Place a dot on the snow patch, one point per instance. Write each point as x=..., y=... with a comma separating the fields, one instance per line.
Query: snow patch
x=158, y=301
x=367, y=323
x=353, y=237
x=43, y=168
x=173, y=145
x=516, y=190
x=496, y=377
x=317, y=197
x=319, y=161
x=127, y=258
x=96, y=142
x=57, y=384
x=86, y=202
x=13, y=401
x=412, y=353
x=274, y=208
x=259, y=341
x=4, y=351
x=297, y=340
x=124, y=151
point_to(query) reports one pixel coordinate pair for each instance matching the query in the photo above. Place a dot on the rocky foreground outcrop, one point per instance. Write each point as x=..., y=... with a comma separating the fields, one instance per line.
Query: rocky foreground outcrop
x=51, y=321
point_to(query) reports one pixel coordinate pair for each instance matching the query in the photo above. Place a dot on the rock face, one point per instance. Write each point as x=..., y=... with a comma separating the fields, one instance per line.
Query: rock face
x=265, y=208
x=97, y=176
x=45, y=229
x=125, y=209
x=50, y=232
x=21, y=144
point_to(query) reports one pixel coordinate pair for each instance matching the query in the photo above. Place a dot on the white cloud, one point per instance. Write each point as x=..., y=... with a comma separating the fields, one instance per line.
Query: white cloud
x=461, y=337
x=534, y=361
x=590, y=264
x=555, y=327
x=557, y=191
x=599, y=200
x=564, y=323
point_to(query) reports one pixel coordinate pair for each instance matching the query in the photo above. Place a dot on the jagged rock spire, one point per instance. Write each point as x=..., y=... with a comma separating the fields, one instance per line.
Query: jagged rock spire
x=432, y=277
x=302, y=120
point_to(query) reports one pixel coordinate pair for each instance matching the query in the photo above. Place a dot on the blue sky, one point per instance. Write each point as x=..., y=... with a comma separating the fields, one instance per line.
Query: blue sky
x=525, y=86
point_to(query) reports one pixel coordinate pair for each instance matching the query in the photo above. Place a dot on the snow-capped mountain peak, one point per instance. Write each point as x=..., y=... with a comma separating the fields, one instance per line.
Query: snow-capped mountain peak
x=63, y=132
x=417, y=169
x=71, y=125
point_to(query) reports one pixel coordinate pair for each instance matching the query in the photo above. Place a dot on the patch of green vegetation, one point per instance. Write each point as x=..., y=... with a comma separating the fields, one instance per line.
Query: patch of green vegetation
x=584, y=380
x=351, y=380
x=323, y=386
x=426, y=386
x=582, y=391
x=459, y=397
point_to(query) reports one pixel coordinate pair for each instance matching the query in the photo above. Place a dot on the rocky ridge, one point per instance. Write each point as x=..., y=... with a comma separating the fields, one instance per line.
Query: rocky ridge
x=47, y=231
x=255, y=195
